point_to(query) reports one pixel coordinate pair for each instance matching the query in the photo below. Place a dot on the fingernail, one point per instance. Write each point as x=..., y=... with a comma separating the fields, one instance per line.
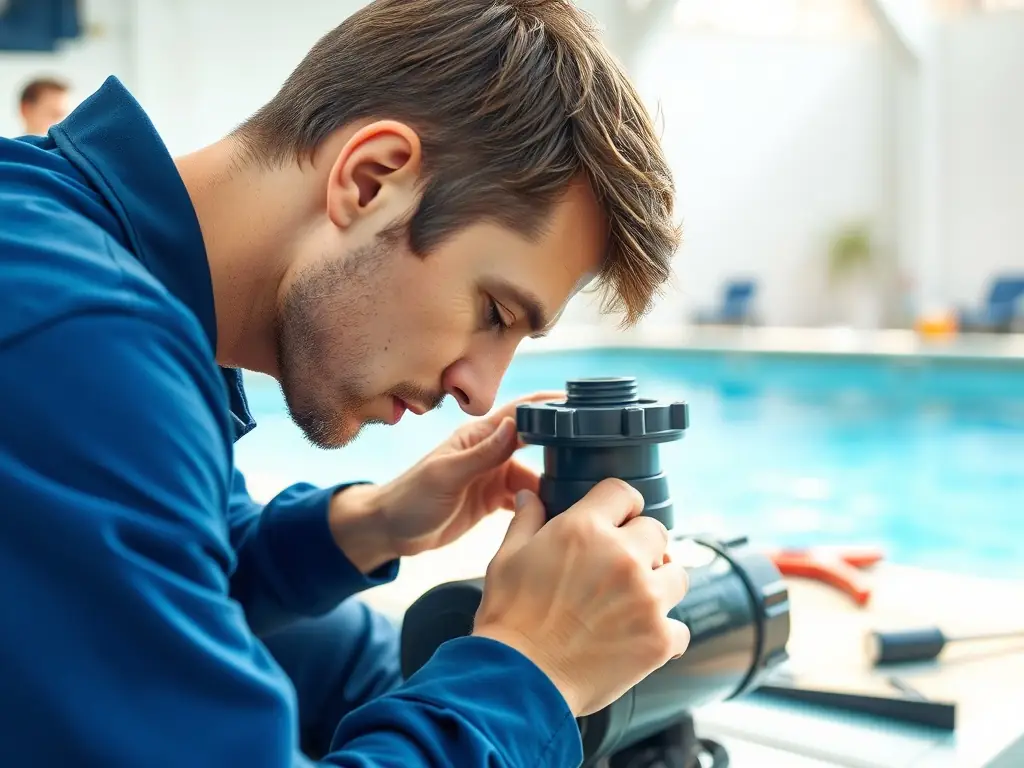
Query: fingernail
x=522, y=499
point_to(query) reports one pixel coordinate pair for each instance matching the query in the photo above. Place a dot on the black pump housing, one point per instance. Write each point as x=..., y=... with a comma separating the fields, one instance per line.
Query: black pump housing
x=736, y=607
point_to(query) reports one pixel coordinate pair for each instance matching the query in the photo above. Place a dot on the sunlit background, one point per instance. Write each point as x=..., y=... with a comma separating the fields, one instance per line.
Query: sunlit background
x=845, y=311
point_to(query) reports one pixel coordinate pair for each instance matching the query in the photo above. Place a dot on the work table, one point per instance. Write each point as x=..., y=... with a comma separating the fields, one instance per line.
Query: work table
x=986, y=681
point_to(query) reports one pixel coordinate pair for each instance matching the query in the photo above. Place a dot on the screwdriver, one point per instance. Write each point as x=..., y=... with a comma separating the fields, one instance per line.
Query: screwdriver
x=922, y=644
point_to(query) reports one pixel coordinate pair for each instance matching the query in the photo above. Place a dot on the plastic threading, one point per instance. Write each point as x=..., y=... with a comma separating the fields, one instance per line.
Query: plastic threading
x=610, y=392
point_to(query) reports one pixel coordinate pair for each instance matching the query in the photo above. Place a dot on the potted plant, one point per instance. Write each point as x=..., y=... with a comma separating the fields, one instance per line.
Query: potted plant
x=849, y=252
x=851, y=273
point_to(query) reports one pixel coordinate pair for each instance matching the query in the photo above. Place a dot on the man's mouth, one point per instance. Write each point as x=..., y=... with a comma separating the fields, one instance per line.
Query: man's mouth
x=401, y=406
x=400, y=409
x=417, y=410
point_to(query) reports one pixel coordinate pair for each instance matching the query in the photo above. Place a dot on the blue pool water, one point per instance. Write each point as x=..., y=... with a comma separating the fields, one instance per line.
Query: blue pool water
x=923, y=458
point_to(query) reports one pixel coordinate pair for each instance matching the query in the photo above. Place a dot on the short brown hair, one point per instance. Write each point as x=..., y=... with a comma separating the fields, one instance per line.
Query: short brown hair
x=35, y=89
x=513, y=100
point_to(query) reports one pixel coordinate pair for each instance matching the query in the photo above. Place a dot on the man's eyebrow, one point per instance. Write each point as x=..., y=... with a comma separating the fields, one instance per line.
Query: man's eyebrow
x=536, y=315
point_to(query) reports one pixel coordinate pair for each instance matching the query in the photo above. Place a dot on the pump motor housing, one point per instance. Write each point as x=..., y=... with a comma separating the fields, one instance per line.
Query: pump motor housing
x=737, y=605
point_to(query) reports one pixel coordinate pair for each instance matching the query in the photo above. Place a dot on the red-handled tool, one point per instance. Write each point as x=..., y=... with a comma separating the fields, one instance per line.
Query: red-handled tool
x=839, y=567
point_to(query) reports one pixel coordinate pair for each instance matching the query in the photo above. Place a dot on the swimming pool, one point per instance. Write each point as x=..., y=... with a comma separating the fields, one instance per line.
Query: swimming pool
x=924, y=457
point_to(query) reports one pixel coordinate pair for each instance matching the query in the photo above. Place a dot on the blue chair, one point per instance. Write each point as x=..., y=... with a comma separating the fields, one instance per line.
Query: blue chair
x=737, y=307
x=1003, y=305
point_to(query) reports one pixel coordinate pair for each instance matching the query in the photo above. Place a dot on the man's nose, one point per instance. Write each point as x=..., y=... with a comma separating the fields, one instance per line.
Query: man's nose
x=475, y=385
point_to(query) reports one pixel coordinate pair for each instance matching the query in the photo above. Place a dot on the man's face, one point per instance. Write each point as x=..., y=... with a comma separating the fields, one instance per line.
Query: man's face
x=368, y=334
x=48, y=109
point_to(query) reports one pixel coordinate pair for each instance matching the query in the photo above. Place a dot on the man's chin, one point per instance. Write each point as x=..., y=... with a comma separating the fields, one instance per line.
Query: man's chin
x=326, y=434
x=333, y=436
x=324, y=428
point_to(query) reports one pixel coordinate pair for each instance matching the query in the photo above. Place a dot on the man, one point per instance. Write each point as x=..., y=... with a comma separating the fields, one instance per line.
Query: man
x=432, y=184
x=43, y=103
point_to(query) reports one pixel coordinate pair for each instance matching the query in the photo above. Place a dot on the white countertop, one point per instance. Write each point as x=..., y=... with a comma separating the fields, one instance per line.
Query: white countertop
x=827, y=639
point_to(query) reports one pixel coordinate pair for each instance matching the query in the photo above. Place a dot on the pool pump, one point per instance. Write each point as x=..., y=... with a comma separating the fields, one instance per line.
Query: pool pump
x=737, y=606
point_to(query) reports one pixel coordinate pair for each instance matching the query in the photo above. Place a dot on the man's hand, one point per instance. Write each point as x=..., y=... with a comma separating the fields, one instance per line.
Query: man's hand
x=586, y=596
x=469, y=476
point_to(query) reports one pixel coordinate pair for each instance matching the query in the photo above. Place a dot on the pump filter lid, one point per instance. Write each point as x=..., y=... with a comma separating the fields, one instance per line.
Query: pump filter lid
x=607, y=411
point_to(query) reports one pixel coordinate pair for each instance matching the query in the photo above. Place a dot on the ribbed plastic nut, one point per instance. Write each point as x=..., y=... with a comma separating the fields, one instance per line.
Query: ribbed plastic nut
x=602, y=408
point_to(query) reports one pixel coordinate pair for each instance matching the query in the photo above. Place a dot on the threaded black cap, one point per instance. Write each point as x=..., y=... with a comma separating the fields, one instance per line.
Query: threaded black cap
x=602, y=411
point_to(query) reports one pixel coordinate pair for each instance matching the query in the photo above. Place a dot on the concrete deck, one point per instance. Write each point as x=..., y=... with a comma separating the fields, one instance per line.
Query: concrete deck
x=789, y=341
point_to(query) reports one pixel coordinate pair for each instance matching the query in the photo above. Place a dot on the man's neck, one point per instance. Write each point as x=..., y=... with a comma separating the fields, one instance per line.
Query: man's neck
x=246, y=215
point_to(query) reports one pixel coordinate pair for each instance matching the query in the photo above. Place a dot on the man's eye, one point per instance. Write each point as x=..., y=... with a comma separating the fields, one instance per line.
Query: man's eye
x=495, y=317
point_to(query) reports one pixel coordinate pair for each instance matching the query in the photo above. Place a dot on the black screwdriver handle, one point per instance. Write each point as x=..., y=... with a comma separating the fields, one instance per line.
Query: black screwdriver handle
x=923, y=644
x=906, y=645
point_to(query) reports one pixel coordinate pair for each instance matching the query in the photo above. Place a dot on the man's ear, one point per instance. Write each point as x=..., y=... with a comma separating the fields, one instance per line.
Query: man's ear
x=375, y=174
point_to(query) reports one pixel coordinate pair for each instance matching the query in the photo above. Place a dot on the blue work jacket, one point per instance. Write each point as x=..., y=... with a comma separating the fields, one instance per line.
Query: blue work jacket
x=136, y=572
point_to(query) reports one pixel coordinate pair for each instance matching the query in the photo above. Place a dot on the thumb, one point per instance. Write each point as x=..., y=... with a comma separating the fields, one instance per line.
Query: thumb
x=490, y=452
x=529, y=518
x=680, y=637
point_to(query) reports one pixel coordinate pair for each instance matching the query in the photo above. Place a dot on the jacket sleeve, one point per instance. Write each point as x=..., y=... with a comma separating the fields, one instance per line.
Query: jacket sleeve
x=288, y=566
x=121, y=637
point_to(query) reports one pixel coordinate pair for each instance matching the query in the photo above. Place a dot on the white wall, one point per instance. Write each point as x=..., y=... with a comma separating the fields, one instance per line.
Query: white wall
x=982, y=152
x=235, y=59
x=961, y=159
x=773, y=145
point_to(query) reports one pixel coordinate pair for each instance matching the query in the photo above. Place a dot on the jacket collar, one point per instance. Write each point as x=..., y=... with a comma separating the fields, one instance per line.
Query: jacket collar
x=112, y=141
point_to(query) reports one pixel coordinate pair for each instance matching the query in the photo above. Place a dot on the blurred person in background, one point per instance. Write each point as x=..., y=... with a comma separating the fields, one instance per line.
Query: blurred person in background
x=43, y=103
x=430, y=186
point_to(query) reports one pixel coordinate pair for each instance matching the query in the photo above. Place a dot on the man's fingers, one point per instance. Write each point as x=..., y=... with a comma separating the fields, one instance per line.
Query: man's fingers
x=519, y=477
x=473, y=432
x=529, y=518
x=680, y=637
x=647, y=539
x=493, y=449
x=488, y=453
x=612, y=500
x=671, y=583
x=509, y=409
